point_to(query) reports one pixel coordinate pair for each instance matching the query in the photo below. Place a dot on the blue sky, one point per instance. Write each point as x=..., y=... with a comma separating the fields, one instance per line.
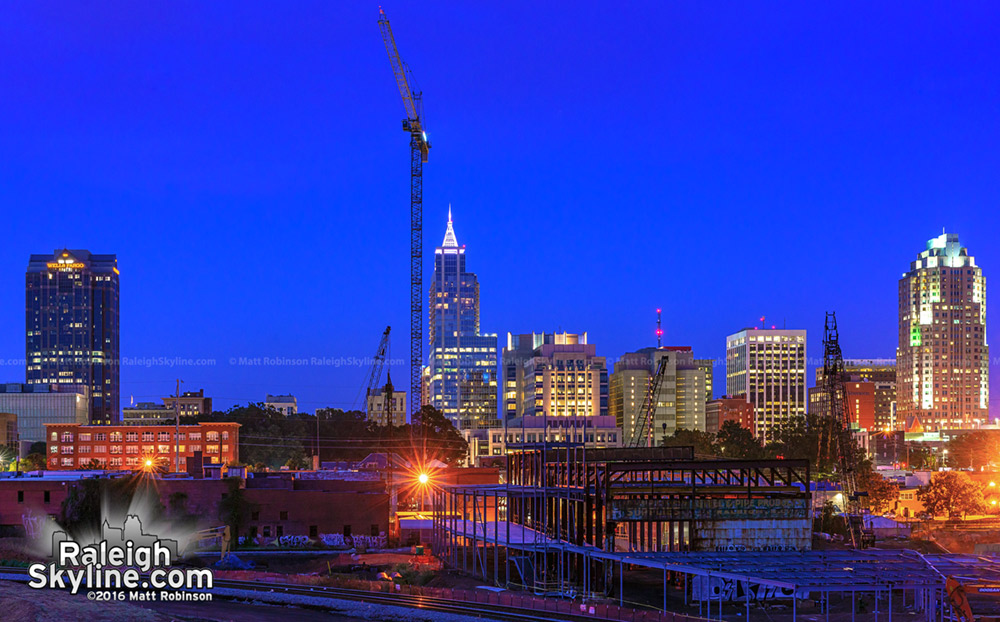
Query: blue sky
x=719, y=160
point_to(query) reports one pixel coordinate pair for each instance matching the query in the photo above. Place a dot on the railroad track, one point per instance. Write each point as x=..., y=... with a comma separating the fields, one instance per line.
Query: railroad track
x=427, y=603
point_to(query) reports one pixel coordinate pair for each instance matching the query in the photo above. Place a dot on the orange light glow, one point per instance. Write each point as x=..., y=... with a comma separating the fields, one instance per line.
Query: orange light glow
x=422, y=478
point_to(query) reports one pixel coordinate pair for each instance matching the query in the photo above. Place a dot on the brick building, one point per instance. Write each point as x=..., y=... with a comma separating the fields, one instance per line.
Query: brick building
x=724, y=409
x=132, y=447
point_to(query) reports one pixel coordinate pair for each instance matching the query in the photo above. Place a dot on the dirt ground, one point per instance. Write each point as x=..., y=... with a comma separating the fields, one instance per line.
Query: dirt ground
x=25, y=604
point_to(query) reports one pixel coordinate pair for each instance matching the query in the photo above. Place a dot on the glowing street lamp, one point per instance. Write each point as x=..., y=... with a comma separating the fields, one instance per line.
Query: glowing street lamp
x=422, y=478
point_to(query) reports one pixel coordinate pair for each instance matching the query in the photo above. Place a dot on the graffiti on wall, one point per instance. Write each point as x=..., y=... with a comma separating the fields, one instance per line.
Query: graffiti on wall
x=725, y=589
x=32, y=523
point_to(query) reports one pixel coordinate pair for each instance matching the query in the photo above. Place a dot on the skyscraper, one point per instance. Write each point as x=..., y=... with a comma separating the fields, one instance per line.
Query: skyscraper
x=562, y=376
x=71, y=309
x=462, y=371
x=679, y=402
x=942, y=362
x=769, y=368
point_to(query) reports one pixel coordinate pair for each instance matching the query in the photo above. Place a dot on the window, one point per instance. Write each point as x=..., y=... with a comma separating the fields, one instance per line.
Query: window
x=85, y=437
x=67, y=462
x=280, y=530
x=116, y=437
x=20, y=496
x=132, y=461
x=211, y=449
x=267, y=531
x=255, y=515
x=131, y=449
x=163, y=449
x=116, y=461
x=211, y=436
x=67, y=437
x=148, y=449
x=313, y=529
x=84, y=449
x=100, y=449
x=132, y=437
x=195, y=448
x=66, y=449
x=147, y=436
x=194, y=436
x=163, y=437
x=225, y=436
x=100, y=436
x=347, y=531
x=48, y=496
x=283, y=515
x=53, y=449
x=375, y=530
x=55, y=436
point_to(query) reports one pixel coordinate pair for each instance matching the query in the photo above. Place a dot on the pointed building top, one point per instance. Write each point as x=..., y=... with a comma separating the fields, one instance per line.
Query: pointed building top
x=449, y=235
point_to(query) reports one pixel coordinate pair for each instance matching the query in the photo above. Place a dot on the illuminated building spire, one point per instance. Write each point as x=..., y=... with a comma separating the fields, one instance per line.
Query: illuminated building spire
x=449, y=235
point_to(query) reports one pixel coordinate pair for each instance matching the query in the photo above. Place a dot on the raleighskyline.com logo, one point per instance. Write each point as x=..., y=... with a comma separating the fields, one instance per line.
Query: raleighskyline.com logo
x=127, y=564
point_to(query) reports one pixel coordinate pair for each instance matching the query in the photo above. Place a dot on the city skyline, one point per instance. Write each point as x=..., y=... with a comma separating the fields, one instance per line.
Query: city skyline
x=201, y=227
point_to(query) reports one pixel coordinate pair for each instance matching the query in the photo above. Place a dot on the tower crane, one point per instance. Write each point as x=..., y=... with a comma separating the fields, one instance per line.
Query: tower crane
x=375, y=374
x=419, y=147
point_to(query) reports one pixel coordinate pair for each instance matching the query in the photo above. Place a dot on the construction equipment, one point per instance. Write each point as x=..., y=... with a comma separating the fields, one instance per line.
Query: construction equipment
x=834, y=380
x=645, y=428
x=419, y=146
x=375, y=375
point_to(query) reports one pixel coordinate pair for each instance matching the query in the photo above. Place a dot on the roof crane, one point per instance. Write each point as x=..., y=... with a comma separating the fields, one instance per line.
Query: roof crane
x=375, y=375
x=419, y=146
x=645, y=427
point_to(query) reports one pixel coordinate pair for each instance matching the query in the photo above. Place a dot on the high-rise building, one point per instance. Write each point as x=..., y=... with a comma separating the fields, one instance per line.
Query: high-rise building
x=942, y=362
x=708, y=366
x=680, y=399
x=563, y=377
x=71, y=309
x=769, y=367
x=461, y=378
x=384, y=410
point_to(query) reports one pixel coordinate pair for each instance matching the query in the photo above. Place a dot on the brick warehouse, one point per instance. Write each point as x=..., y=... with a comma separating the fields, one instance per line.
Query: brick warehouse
x=130, y=447
x=280, y=505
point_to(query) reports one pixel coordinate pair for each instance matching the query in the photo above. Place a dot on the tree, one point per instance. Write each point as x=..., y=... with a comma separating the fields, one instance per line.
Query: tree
x=881, y=494
x=93, y=465
x=33, y=462
x=951, y=493
x=703, y=442
x=38, y=447
x=438, y=437
x=974, y=450
x=735, y=441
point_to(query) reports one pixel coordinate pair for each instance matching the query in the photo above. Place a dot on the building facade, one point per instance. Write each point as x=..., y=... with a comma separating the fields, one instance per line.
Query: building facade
x=461, y=376
x=147, y=413
x=942, y=361
x=563, y=377
x=284, y=404
x=8, y=437
x=769, y=367
x=592, y=432
x=72, y=326
x=136, y=447
x=192, y=403
x=386, y=406
x=723, y=409
x=680, y=400
x=38, y=404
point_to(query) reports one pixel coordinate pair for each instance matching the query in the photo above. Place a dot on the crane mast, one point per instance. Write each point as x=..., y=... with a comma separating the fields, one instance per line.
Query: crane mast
x=419, y=147
x=645, y=427
x=375, y=374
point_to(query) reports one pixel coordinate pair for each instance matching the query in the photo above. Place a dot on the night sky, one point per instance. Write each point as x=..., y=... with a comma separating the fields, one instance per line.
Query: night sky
x=245, y=161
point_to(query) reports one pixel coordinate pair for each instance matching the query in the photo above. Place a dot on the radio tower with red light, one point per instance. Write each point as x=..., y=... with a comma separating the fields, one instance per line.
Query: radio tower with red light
x=659, y=328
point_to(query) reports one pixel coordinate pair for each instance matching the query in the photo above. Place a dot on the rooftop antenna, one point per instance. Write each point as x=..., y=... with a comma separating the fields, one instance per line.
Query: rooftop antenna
x=659, y=328
x=762, y=322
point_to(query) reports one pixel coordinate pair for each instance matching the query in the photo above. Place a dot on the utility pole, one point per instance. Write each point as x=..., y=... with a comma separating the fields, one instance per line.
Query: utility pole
x=177, y=428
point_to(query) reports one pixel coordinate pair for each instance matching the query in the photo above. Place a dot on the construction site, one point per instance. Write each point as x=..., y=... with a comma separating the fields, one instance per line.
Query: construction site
x=708, y=537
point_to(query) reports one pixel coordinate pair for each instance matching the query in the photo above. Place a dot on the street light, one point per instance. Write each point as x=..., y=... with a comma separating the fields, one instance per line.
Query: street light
x=422, y=478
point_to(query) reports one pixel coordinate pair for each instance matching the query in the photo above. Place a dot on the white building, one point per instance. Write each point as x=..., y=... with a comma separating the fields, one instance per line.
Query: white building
x=38, y=404
x=284, y=404
x=769, y=367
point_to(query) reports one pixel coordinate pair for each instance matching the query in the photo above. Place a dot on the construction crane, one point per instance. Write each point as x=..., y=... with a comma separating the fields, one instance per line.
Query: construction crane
x=375, y=374
x=645, y=427
x=419, y=146
x=834, y=381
